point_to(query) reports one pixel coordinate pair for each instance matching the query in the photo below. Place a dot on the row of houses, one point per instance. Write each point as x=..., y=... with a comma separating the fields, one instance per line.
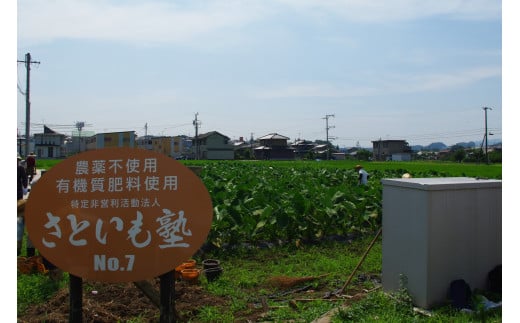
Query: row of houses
x=212, y=145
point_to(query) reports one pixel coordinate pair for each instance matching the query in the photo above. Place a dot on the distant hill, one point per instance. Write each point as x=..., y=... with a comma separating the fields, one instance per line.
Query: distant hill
x=440, y=146
x=436, y=146
x=431, y=147
x=470, y=144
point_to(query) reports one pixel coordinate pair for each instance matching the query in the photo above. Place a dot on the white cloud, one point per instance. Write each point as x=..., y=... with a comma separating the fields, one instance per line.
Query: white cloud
x=380, y=11
x=151, y=22
x=447, y=81
x=147, y=22
x=384, y=85
x=313, y=90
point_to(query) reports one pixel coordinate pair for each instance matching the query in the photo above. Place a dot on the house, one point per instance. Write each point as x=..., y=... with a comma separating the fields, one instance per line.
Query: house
x=78, y=141
x=302, y=148
x=182, y=147
x=321, y=151
x=401, y=157
x=391, y=150
x=243, y=149
x=163, y=145
x=111, y=139
x=339, y=156
x=21, y=143
x=274, y=146
x=212, y=145
x=49, y=144
x=144, y=142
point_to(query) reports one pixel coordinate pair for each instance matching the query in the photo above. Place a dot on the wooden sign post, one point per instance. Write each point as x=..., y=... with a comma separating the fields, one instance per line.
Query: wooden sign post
x=119, y=215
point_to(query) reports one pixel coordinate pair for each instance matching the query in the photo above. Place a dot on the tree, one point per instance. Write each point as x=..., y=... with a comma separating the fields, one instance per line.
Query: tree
x=310, y=155
x=495, y=156
x=459, y=155
x=363, y=154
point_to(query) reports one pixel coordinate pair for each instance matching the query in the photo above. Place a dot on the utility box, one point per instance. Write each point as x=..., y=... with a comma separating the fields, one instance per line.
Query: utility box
x=436, y=230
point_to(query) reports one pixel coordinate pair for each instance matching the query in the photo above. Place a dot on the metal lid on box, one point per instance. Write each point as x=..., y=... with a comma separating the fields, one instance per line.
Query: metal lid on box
x=442, y=183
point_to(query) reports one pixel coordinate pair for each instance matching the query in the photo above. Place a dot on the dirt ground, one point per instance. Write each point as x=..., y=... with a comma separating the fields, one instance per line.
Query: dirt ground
x=104, y=302
x=110, y=302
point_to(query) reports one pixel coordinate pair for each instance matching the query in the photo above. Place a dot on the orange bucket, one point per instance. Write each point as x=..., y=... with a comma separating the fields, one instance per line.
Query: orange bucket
x=190, y=274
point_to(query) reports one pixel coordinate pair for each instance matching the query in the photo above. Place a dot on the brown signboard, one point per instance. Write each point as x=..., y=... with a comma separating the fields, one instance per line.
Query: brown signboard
x=118, y=214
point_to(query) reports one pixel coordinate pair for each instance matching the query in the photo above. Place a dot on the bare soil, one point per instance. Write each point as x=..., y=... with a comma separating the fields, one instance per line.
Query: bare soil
x=110, y=302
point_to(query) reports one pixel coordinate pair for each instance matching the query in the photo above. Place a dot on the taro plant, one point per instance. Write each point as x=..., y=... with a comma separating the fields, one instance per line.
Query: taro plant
x=258, y=202
x=291, y=201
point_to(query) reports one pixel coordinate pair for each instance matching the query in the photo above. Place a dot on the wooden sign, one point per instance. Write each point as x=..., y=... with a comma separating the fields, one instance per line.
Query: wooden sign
x=118, y=214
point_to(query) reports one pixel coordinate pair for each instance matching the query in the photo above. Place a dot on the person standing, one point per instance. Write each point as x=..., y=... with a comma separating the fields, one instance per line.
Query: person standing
x=21, y=191
x=22, y=179
x=30, y=163
x=362, y=175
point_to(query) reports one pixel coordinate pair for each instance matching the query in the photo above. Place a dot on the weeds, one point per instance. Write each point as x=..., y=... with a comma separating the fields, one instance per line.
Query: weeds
x=34, y=289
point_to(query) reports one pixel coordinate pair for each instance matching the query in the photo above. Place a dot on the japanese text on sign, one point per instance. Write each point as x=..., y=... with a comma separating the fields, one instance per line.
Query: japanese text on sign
x=134, y=176
x=171, y=229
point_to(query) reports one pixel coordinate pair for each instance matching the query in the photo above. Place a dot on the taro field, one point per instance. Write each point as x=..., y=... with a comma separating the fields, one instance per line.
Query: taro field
x=300, y=201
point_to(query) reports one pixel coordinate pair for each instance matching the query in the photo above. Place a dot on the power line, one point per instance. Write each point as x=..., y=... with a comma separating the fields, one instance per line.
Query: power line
x=20, y=89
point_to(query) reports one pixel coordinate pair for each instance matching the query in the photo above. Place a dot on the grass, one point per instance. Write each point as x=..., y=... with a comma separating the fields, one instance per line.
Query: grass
x=413, y=167
x=35, y=289
x=247, y=273
x=245, y=276
x=47, y=163
x=383, y=307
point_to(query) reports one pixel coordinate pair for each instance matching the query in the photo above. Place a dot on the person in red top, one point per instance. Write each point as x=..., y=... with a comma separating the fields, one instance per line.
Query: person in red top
x=30, y=163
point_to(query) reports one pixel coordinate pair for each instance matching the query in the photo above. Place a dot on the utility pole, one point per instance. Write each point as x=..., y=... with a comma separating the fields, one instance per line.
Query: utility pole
x=79, y=126
x=486, y=133
x=197, y=123
x=28, y=63
x=251, y=146
x=379, y=148
x=327, y=127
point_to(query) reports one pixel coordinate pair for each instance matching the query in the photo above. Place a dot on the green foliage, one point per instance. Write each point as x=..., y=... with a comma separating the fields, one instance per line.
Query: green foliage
x=258, y=202
x=377, y=306
x=47, y=163
x=398, y=307
x=214, y=314
x=363, y=154
x=35, y=288
x=297, y=201
x=459, y=155
x=245, y=278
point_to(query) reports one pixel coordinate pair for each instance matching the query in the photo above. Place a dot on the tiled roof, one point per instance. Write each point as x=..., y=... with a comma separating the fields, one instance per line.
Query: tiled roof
x=204, y=135
x=273, y=136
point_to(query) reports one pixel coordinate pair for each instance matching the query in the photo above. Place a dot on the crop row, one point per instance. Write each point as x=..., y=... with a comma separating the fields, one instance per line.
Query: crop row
x=258, y=202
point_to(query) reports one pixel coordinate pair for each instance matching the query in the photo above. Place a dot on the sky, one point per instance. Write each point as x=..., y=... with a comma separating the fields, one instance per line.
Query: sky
x=357, y=71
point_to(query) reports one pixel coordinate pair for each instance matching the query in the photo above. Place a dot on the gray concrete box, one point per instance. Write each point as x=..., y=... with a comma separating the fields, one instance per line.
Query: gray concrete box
x=436, y=230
